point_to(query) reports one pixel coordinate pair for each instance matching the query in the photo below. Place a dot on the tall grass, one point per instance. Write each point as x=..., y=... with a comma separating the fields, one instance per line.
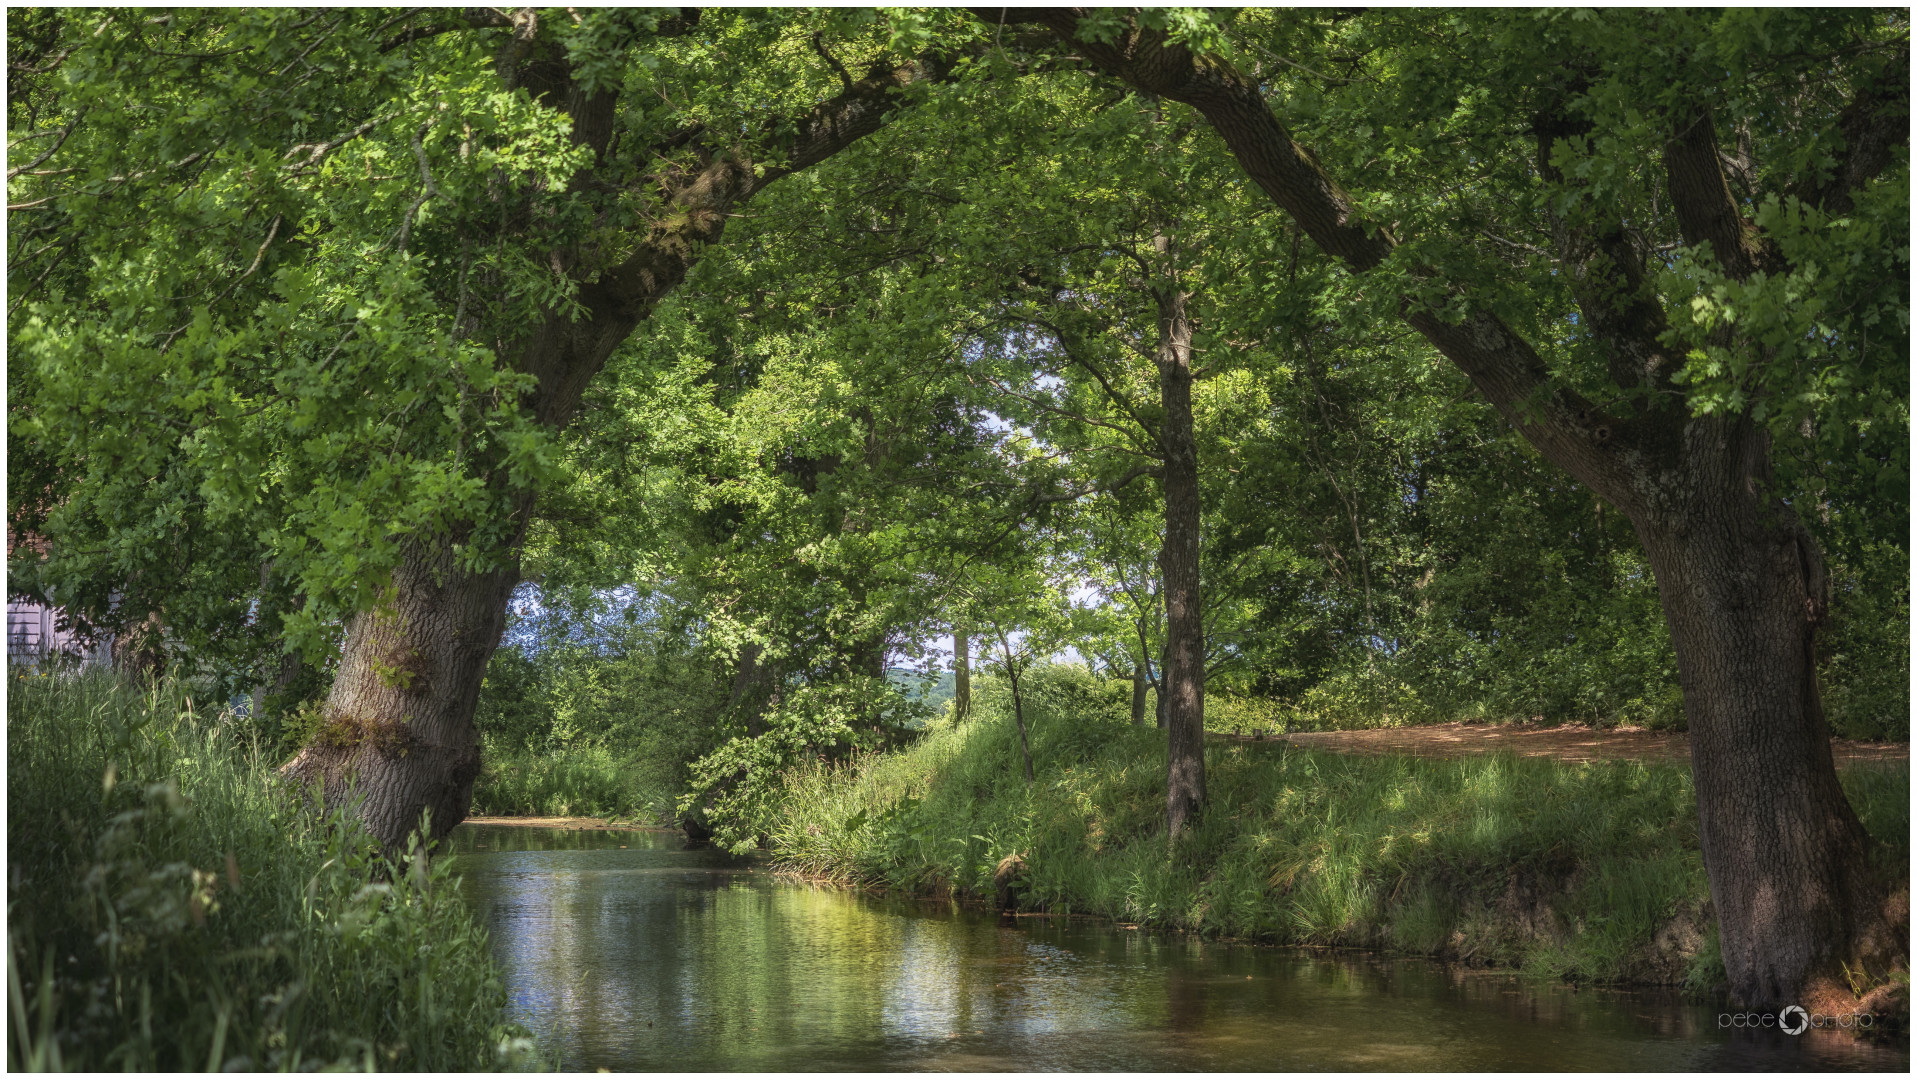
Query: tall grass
x=589, y=781
x=172, y=906
x=1587, y=871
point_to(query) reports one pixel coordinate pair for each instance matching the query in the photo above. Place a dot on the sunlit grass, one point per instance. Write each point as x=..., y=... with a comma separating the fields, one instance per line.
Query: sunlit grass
x=1587, y=871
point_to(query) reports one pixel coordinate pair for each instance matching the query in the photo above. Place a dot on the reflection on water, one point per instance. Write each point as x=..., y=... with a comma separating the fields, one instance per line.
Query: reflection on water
x=625, y=950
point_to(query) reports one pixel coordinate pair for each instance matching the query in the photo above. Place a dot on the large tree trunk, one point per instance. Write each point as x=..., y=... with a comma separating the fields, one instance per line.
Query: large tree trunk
x=397, y=737
x=1183, y=686
x=1743, y=589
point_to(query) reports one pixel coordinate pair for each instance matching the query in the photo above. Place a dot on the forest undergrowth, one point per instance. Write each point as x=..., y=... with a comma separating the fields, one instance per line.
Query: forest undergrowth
x=172, y=906
x=1585, y=872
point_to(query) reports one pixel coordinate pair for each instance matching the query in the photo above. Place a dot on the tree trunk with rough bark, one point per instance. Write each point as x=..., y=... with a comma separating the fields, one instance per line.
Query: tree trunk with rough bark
x=397, y=739
x=1743, y=589
x=1139, y=686
x=1183, y=685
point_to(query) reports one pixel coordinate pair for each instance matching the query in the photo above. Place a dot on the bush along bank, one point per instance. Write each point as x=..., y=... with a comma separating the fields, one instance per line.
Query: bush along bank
x=1585, y=872
x=574, y=782
x=172, y=906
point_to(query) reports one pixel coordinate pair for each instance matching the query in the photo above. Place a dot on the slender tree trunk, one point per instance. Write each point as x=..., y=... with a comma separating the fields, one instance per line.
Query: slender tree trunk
x=1139, y=686
x=1018, y=708
x=1151, y=679
x=961, y=674
x=1183, y=696
x=1160, y=700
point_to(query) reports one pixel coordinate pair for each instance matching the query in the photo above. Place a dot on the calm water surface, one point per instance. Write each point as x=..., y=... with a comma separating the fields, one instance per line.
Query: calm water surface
x=627, y=951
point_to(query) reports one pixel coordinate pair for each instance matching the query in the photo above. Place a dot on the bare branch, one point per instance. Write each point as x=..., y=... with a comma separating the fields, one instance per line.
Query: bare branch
x=319, y=151
x=426, y=177
x=51, y=150
x=818, y=46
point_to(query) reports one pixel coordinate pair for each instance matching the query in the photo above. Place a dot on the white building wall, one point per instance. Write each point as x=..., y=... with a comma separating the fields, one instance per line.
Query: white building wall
x=33, y=635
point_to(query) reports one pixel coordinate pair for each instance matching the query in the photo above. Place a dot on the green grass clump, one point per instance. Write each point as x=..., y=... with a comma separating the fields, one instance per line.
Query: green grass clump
x=587, y=781
x=171, y=905
x=1580, y=871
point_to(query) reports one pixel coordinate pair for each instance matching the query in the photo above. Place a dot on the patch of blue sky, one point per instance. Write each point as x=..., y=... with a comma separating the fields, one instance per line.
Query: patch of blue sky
x=536, y=621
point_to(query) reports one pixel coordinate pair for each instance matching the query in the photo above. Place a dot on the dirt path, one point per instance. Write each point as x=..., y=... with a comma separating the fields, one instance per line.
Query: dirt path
x=1567, y=743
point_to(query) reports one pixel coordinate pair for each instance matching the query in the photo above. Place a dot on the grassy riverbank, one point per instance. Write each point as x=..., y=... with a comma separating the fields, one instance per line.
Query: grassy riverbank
x=170, y=907
x=1580, y=871
x=581, y=782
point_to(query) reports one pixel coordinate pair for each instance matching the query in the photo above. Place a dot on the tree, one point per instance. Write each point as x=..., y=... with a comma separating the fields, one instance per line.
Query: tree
x=1061, y=313
x=514, y=225
x=961, y=673
x=1702, y=364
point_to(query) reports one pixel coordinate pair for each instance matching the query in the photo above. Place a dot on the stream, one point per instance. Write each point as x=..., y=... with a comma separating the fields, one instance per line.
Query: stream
x=626, y=950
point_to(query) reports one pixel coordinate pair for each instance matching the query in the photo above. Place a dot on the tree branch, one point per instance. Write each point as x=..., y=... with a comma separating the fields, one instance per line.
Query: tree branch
x=430, y=189
x=1606, y=265
x=1873, y=125
x=318, y=151
x=702, y=199
x=1564, y=426
x=1707, y=212
x=1111, y=392
x=51, y=150
x=818, y=46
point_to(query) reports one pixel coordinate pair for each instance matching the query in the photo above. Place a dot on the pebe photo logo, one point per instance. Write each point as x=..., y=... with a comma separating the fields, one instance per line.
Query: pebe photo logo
x=1795, y=1020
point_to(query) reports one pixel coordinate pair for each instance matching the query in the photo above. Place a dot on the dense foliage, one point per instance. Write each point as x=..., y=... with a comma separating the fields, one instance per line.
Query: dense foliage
x=902, y=360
